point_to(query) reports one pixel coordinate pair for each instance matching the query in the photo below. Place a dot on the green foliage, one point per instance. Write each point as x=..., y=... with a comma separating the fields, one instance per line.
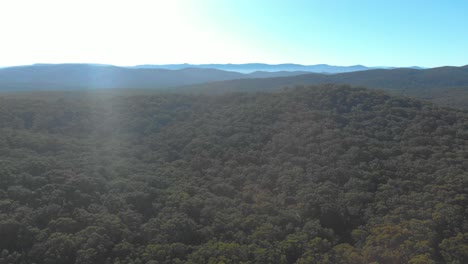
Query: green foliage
x=455, y=249
x=327, y=174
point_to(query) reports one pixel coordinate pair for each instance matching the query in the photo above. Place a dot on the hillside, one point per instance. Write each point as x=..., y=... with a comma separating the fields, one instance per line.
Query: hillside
x=92, y=76
x=326, y=174
x=445, y=85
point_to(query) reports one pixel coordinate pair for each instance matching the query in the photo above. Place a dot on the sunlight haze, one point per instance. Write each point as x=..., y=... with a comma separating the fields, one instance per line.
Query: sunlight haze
x=372, y=33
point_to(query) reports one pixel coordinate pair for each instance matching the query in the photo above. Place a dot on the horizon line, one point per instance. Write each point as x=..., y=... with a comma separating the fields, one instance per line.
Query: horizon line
x=201, y=64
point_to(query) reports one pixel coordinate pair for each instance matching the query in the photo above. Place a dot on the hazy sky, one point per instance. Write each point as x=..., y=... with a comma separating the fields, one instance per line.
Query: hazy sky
x=373, y=33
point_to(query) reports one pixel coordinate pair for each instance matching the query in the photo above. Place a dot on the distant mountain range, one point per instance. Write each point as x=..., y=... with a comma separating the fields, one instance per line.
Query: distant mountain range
x=96, y=76
x=253, y=67
x=447, y=85
x=444, y=85
x=390, y=79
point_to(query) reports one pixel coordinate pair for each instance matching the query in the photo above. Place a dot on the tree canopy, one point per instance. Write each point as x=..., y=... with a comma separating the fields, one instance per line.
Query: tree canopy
x=324, y=174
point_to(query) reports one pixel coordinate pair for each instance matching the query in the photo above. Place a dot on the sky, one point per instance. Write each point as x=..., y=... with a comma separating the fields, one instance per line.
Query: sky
x=399, y=33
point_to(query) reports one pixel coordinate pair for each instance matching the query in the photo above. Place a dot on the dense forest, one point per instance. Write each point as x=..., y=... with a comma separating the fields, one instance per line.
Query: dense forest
x=324, y=174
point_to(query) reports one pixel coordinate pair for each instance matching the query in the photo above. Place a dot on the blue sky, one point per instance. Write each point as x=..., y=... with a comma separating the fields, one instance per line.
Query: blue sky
x=372, y=33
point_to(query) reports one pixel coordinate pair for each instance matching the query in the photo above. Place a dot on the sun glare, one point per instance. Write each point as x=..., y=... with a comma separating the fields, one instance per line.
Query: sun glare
x=112, y=32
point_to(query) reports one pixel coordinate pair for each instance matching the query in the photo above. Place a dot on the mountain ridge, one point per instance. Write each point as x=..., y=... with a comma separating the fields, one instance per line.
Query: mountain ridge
x=252, y=67
x=91, y=76
x=447, y=85
x=363, y=77
x=243, y=67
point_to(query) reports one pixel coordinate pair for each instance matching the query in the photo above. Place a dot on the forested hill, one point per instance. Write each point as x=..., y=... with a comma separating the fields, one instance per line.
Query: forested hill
x=324, y=174
x=447, y=86
x=444, y=85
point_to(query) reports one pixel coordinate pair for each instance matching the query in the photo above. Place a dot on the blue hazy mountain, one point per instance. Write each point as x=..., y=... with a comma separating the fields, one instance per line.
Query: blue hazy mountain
x=97, y=76
x=253, y=67
x=399, y=79
x=444, y=85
